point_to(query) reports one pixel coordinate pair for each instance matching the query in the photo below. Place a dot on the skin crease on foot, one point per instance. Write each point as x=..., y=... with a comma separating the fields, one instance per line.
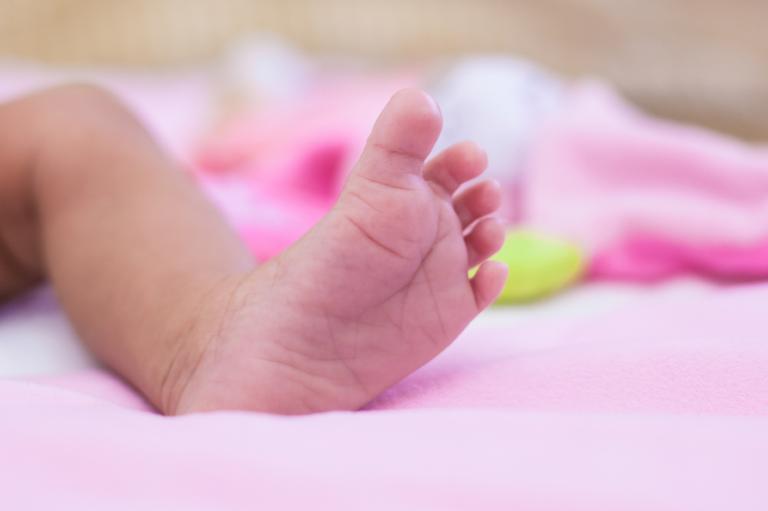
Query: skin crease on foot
x=374, y=291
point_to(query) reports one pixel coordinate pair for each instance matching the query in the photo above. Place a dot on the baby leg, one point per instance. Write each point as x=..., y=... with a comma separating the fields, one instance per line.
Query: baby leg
x=162, y=291
x=88, y=200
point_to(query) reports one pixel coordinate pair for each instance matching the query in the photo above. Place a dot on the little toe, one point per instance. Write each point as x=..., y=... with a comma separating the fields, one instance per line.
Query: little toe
x=488, y=283
x=401, y=138
x=456, y=165
x=477, y=201
x=484, y=240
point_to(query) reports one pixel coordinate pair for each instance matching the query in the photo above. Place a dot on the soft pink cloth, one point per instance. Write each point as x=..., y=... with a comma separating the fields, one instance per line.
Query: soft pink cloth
x=648, y=198
x=658, y=405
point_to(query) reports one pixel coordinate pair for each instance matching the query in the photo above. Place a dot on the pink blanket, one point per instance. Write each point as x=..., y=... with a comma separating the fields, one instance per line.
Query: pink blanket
x=659, y=404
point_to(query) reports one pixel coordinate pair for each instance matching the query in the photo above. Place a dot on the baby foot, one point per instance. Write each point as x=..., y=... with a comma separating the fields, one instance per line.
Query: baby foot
x=375, y=290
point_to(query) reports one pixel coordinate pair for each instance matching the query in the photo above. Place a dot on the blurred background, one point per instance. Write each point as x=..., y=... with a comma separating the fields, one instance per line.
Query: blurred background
x=704, y=61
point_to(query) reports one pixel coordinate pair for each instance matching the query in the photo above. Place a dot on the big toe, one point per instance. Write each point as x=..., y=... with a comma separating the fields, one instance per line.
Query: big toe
x=402, y=137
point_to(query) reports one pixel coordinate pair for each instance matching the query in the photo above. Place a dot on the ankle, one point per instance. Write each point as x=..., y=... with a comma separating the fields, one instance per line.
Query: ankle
x=198, y=322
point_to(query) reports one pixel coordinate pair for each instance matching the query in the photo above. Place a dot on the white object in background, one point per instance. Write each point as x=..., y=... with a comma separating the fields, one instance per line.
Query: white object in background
x=264, y=67
x=498, y=102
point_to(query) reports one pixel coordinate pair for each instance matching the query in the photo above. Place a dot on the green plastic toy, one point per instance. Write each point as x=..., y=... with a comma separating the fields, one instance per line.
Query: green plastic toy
x=539, y=265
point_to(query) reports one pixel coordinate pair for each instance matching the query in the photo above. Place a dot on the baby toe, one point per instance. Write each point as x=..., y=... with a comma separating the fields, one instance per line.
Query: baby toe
x=455, y=165
x=484, y=240
x=477, y=201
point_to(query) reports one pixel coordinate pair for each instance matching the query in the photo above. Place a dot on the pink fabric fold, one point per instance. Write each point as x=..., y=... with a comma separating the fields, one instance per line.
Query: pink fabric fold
x=648, y=198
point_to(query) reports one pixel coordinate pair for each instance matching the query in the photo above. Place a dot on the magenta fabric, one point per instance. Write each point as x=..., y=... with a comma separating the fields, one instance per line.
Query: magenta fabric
x=659, y=404
x=276, y=170
x=648, y=198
